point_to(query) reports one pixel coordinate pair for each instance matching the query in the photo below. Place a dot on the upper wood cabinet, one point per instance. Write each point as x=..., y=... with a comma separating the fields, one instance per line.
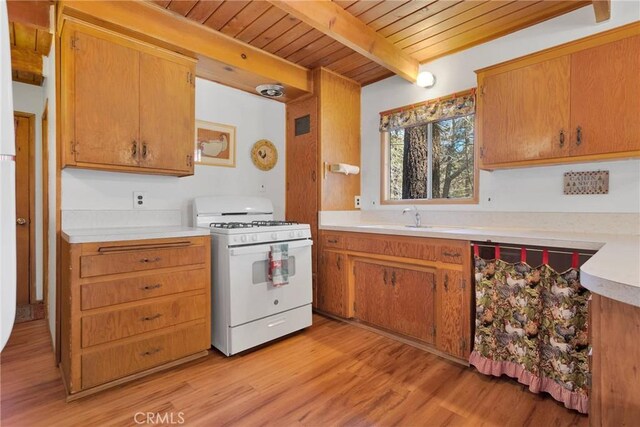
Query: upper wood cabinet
x=525, y=112
x=574, y=102
x=126, y=105
x=605, y=98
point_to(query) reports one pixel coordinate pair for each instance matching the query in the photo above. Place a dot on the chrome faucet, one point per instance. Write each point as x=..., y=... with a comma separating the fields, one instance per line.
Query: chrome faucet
x=417, y=217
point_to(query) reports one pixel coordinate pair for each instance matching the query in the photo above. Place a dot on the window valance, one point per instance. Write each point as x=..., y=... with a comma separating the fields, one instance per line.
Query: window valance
x=456, y=105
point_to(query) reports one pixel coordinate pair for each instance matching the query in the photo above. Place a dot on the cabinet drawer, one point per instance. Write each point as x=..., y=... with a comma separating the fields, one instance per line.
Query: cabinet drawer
x=335, y=241
x=113, y=325
x=387, y=245
x=118, y=361
x=140, y=260
x=101, y=294
x=453, y=253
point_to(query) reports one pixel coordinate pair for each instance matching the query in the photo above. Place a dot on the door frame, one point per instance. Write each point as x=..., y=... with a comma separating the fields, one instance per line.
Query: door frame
x=32, y=200
x=44, y=136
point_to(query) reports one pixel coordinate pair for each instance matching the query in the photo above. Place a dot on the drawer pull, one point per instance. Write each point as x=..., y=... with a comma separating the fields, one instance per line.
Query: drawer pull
x=332, y=241
x=154, y=317
x=451, y=254
x=151, y=352
x=150, y=287
x=149, y=260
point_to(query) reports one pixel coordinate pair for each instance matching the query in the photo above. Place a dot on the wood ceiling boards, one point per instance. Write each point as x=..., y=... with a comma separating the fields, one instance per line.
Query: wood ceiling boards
x=425, y=29
x=29, y=38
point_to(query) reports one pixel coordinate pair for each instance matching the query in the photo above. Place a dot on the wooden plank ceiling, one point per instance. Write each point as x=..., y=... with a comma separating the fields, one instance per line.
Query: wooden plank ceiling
x=28, y=45
x=425, y=29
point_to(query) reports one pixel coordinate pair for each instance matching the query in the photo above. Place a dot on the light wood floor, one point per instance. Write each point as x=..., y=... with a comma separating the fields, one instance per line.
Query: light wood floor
x=331, y=374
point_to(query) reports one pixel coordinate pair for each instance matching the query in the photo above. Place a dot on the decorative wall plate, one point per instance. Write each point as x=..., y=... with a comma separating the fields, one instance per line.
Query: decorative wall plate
x=264, y=155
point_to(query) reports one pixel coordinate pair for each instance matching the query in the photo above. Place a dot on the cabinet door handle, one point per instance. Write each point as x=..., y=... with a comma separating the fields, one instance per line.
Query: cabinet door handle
x=134, y=148
x=332, y=241
x=144, y=150
x=561, y=137
x=451, y=254
x=339, y=262
x=446, y=282
x=313, y=176
x=149, y=260
x=393, y=278
x=149, y=318
x=578, y=135
x=151, y=352
x=150, y=287
x=384, y=277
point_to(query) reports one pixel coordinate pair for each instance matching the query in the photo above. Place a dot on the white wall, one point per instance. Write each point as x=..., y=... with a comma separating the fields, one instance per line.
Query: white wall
x=30, y=99
x=535, y=189
x=254, y=117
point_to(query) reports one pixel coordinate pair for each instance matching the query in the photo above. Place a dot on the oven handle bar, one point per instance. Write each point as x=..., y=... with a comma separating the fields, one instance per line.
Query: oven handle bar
x=265, y=248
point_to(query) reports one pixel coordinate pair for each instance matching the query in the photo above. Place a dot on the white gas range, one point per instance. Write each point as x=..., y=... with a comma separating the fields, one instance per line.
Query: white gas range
x=246, y=308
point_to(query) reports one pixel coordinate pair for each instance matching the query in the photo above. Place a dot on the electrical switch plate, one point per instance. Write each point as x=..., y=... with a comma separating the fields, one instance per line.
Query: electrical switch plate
x=262, y=188
x=139, y=199
x=357, y=202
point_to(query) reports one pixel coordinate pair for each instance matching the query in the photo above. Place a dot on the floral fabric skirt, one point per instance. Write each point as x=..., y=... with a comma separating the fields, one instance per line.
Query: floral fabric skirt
x=531, y=324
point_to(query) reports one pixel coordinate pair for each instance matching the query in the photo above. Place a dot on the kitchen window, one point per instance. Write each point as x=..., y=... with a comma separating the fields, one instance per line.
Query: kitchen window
x=429, y=152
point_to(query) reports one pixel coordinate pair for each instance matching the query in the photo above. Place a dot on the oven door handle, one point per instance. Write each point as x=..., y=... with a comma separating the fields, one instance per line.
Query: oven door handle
x=257, y=249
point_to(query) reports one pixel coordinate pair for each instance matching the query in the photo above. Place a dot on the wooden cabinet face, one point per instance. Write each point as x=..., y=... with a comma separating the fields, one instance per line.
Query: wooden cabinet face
x=453, y=332
x=166, y=114
x=413, y=303
x=332, y=288
x=106, y=98
x=302, y=166
x=398, y=299
x=605, y=98
x=523, y=112
x=373, y=294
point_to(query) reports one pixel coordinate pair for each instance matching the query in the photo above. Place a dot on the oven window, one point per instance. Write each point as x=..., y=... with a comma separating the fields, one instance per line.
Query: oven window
x=261, y=270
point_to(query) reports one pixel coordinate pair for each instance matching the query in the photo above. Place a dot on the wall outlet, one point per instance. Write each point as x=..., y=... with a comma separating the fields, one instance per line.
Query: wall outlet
x=139, y=200
x=357, y=202
x=262, y=188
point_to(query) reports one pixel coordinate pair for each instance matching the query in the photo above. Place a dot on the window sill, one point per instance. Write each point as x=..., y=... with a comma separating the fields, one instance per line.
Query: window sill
x=471, y=201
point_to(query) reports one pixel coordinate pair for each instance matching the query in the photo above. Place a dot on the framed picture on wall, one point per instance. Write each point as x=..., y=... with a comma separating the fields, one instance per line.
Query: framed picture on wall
x=215, y=144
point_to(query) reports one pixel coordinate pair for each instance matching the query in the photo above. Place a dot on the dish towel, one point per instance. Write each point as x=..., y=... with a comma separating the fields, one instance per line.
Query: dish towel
x=279, y=264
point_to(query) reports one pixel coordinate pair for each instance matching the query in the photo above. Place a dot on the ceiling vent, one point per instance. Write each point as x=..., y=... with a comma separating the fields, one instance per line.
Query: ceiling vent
x=271, y=91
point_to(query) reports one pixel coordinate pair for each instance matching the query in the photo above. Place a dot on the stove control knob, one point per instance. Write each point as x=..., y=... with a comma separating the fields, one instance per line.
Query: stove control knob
x=254, y=237
x=299, y=233
x=274, y=235
x=243, y=238
x=292, y=234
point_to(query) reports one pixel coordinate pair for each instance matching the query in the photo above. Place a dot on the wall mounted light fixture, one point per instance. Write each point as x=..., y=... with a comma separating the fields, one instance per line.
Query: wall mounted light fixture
x=426, y=79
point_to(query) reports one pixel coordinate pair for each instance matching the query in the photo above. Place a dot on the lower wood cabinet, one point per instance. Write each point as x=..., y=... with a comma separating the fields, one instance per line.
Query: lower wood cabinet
x=332, y=295
x=373, y=294
x=614, y=328
x=400, y=299
x=132, y=308
x=415, y=287
x=453, y=335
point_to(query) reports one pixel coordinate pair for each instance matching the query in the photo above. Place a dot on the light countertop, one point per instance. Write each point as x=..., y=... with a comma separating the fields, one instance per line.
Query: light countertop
x=614, y=271
x=92, y=235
